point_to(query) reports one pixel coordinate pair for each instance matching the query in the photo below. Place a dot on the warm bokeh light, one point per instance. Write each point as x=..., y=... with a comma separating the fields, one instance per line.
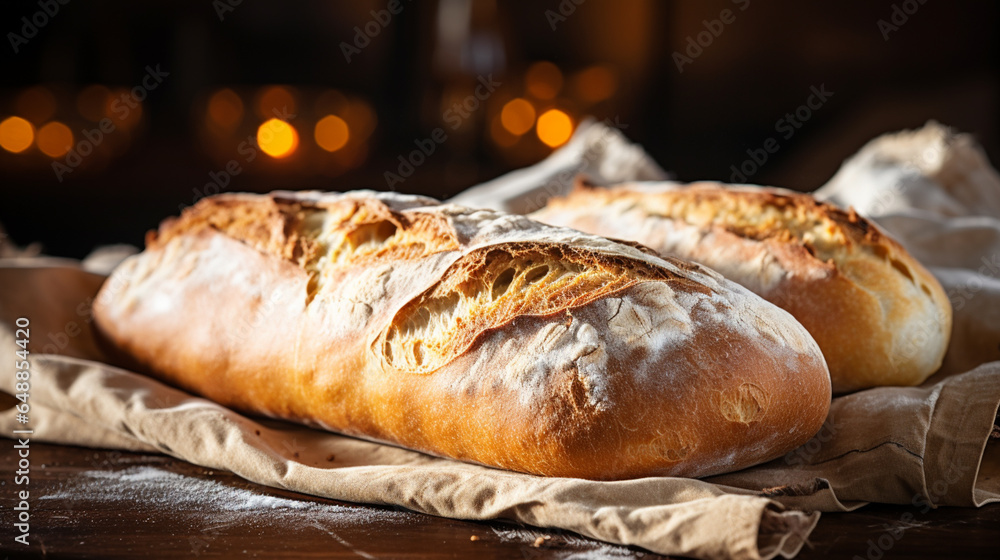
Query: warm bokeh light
x=55, y=139
x=225, y=109
x=543, y=80
x=500, y=135
x=277, y=138
x=517, y=116
x=16, y=134
x=276, y=101
x=92, y=101
x=331, y=133
x=361, y=118
x=123, y=109
x=554, y=128
x=37, y=104
x=596, y=83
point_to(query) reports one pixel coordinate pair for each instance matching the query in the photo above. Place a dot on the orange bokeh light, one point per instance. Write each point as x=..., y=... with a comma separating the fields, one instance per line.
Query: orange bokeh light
x=517, y=116
x=362, y=118
x=596, y=83
x=225, y=109
x=331, y=133
x=55, y=139
x=276, y=101
x=37, y=104
x=277, y=138
x=554, y=128
x=16, y=134
x=501, y=136
x=123, y=109
x=91, y=102
x=543, y=80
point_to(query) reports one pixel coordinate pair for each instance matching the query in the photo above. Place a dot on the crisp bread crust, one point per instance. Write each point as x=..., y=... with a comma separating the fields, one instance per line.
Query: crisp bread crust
x=474, y=335
x=879, y=316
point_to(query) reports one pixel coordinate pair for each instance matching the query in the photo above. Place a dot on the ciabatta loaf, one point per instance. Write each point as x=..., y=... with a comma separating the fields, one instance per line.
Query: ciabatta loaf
x=880, y=317
x=473, y=335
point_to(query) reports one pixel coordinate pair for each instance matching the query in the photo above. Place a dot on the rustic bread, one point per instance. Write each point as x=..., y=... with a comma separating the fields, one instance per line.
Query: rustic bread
x=879, y=316
x=474, y=335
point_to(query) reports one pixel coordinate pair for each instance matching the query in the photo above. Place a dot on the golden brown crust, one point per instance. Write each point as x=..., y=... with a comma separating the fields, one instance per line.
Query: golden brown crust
x=608, y=363
x=281, y=227
x=879, y=316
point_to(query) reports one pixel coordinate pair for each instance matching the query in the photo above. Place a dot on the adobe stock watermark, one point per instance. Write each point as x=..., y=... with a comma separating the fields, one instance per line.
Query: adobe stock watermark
x=225, y=7
x=121, y=107
x=885, y=199
x=260, y=315
x=961, y=294
x=697, y=44
x=57, y=341
x=786, y=126
x=31, y=25
x=453, y=117
x=898, y=17
x=805, y=453
x=895, y=531
x=208, y=535
x=555, y=184
x=363, y=35
x=563, y=11
x=247, y=149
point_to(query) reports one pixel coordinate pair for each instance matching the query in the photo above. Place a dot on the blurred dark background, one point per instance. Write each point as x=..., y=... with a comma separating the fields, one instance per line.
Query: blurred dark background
x=114, y=115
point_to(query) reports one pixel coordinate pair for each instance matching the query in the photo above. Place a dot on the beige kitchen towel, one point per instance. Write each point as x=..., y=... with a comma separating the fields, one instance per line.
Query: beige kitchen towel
x=598, y=150
x=935, y=191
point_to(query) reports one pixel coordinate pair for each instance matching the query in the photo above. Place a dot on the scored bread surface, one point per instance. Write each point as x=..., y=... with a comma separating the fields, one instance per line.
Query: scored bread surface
x=468, y=334
x=880, y=317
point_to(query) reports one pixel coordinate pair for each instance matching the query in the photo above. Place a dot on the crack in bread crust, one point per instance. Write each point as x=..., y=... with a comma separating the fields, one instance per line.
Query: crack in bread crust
x=317, y=237
x=489, y=287
x=486, y=289
x=260, y=222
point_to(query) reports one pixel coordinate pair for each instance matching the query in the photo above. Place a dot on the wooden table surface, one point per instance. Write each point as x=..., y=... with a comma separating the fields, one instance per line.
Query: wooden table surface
x=109, y=504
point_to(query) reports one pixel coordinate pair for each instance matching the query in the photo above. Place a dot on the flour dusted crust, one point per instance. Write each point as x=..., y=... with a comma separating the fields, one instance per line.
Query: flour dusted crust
x=879, y=316
x=475, y=335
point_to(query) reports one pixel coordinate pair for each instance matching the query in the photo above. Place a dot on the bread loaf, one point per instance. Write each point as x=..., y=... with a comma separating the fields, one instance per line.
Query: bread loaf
x=879, y=316
x=473, y=335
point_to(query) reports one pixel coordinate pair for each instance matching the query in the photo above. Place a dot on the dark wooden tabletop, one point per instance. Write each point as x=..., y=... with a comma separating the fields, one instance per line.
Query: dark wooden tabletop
x=109, y=504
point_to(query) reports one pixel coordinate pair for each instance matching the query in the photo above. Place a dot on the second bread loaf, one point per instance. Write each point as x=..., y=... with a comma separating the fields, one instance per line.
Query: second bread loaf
x=880, y=317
